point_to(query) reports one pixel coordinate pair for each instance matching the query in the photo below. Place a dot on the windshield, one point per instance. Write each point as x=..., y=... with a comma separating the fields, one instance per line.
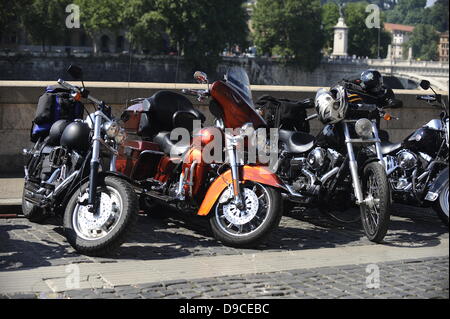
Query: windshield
x=238, y=79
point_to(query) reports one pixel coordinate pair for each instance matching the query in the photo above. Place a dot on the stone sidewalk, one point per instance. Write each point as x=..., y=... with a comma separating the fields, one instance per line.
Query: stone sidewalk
x=179, y=250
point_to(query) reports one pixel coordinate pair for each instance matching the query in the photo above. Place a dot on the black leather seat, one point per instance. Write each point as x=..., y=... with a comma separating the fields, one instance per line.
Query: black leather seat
x=176, y=148
x=388, y=147
x=296, y=142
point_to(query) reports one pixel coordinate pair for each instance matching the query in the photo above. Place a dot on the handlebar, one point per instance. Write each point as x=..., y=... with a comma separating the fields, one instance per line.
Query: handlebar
x=77, y=89
x=200, y=94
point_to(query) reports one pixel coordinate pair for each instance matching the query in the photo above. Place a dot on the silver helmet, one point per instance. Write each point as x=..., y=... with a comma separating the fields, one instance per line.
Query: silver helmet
x=331, y=106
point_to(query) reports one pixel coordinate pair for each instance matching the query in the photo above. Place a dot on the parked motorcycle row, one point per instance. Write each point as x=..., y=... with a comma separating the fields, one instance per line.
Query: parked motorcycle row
x=241, y=173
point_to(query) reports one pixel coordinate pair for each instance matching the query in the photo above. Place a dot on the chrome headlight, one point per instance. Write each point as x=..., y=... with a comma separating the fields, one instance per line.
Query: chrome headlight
x=111, y=129
x=121, y=136
x=363, y=128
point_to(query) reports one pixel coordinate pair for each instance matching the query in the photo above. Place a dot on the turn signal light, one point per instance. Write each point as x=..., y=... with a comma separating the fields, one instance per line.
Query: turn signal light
x=387, y=117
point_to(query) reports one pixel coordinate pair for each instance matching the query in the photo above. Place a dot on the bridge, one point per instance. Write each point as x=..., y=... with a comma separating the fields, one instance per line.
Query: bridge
x=435, y=72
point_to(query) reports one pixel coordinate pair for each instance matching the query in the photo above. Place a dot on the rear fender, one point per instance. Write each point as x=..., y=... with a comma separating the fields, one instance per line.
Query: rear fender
x=258, y=174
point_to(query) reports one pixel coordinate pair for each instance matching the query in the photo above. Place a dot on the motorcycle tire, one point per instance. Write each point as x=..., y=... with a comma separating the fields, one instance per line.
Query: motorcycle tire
x=375, y=220
x=32, y=212
x=117, y=213
x=268, y=215
x=440, y=206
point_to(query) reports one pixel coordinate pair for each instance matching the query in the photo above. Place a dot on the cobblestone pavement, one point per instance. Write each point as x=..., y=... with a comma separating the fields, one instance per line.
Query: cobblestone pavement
x=426, y=278
x=24, y=245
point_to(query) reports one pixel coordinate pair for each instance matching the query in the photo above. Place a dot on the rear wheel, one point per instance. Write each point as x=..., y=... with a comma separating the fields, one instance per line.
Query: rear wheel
x=252, y=225
x=100, y=232
x=375, y=213
x=441, y=205
x=32, y=212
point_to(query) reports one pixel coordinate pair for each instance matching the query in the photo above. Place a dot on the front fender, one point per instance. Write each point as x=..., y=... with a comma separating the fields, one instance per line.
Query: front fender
x=259, y=174
x=437, y=186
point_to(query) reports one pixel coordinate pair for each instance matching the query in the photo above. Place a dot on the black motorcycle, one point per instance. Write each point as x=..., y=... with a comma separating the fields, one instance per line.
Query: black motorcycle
x=321, y=171
x=72, y=172
x=417, y=167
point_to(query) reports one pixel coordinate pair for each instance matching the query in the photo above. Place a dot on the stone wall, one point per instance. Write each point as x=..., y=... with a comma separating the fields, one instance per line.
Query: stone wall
x=18, y=103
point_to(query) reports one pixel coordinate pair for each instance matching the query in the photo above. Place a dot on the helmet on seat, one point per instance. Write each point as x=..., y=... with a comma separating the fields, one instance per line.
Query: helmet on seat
x=331, y=106
x=371, y=81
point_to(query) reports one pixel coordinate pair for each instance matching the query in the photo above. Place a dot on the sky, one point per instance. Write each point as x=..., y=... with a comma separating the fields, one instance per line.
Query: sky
x=430, y=2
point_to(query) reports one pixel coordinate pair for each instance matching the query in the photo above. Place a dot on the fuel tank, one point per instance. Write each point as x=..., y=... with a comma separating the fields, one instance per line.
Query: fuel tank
x=425, y=139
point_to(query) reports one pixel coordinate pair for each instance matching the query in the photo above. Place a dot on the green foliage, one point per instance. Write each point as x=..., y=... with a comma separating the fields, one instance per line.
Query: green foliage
x=8, y=14
x=362, y=40
x=44, y=20
x=424, y=42
x=437, y=15
x=291, y=29
x=201, y=29
x=100, y=15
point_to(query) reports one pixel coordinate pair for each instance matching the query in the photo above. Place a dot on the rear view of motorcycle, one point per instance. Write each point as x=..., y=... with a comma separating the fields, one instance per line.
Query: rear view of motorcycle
x=67, y=172
x=417, y=167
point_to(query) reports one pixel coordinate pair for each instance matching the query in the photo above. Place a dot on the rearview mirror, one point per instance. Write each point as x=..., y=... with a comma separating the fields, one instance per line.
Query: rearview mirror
x=424, y=84
x=75, y=71
x=201, y=77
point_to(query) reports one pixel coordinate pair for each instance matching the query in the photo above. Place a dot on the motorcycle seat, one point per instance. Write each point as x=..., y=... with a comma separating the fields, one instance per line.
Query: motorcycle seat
x=388, y=147
x=296, y=142
x=177, y=148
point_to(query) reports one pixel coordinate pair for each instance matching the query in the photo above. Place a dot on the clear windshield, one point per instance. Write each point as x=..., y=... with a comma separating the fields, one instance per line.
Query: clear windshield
x=238, y=79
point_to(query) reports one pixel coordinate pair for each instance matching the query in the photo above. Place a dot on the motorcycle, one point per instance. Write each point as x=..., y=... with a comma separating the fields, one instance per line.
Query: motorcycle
x=241, y=199
x=417, y=167
x=67, y=173
x=320, y=171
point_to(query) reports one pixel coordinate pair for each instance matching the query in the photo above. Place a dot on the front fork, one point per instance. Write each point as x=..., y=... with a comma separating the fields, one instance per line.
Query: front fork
x=353, y=164
x=95, y=161
x=230, y=149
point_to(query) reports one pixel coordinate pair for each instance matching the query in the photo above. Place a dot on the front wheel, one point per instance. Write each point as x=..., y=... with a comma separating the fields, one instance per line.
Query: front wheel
x=252, y=225
x=102, y=231
x=375, y=215
x=441, y=205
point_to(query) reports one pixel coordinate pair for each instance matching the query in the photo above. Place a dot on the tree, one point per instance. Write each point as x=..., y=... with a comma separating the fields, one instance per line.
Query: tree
x=100, y=15
x=424, y=41
x=8, y=14
x=201, y=29
x=145, y=25
x=291, y=29
x=437, y=15
x=44, y=20
x=409, y=12
x=330, y=16
x=362, y=40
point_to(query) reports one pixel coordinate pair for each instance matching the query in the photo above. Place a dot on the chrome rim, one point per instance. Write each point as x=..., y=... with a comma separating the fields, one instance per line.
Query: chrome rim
x=236, y=222
x=443, y=200
x=94, y=226
x=372, y=205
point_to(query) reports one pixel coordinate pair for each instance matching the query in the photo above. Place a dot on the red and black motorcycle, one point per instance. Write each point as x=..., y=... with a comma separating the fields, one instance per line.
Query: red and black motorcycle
x=206, y=173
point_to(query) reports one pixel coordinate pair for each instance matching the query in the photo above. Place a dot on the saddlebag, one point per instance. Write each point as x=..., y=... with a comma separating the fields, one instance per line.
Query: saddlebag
x=284, y=113
x=55, y=104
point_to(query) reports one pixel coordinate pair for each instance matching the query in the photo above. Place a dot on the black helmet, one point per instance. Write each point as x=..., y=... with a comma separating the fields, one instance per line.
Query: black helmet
x=56, y=131
x=76, y=136
x=371, y=81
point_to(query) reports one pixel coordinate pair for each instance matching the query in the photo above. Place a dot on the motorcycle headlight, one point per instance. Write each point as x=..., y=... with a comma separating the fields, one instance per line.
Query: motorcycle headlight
x=121, y=136
x=111, y=128
x=363, y=128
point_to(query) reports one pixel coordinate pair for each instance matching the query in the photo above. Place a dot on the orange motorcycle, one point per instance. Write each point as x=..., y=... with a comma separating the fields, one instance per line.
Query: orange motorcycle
x=208, y=170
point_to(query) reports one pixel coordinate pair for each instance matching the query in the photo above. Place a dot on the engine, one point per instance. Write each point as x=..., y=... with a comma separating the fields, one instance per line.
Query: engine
x=404, y=167
x=310, y=172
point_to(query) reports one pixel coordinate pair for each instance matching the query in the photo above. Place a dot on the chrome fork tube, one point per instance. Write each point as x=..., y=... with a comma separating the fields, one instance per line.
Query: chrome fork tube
x=378, y=144
x=231, y=152
x=353, y=166
x=95, y=160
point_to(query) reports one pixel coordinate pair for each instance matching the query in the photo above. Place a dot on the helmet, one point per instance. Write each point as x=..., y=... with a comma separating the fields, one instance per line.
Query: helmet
x=331, y=106
x=76, y=136
x=371, y=81
x=56, y=131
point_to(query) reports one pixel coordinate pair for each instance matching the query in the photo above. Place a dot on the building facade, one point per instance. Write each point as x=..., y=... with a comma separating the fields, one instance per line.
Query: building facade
x=443, y=47
x=400, y=35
